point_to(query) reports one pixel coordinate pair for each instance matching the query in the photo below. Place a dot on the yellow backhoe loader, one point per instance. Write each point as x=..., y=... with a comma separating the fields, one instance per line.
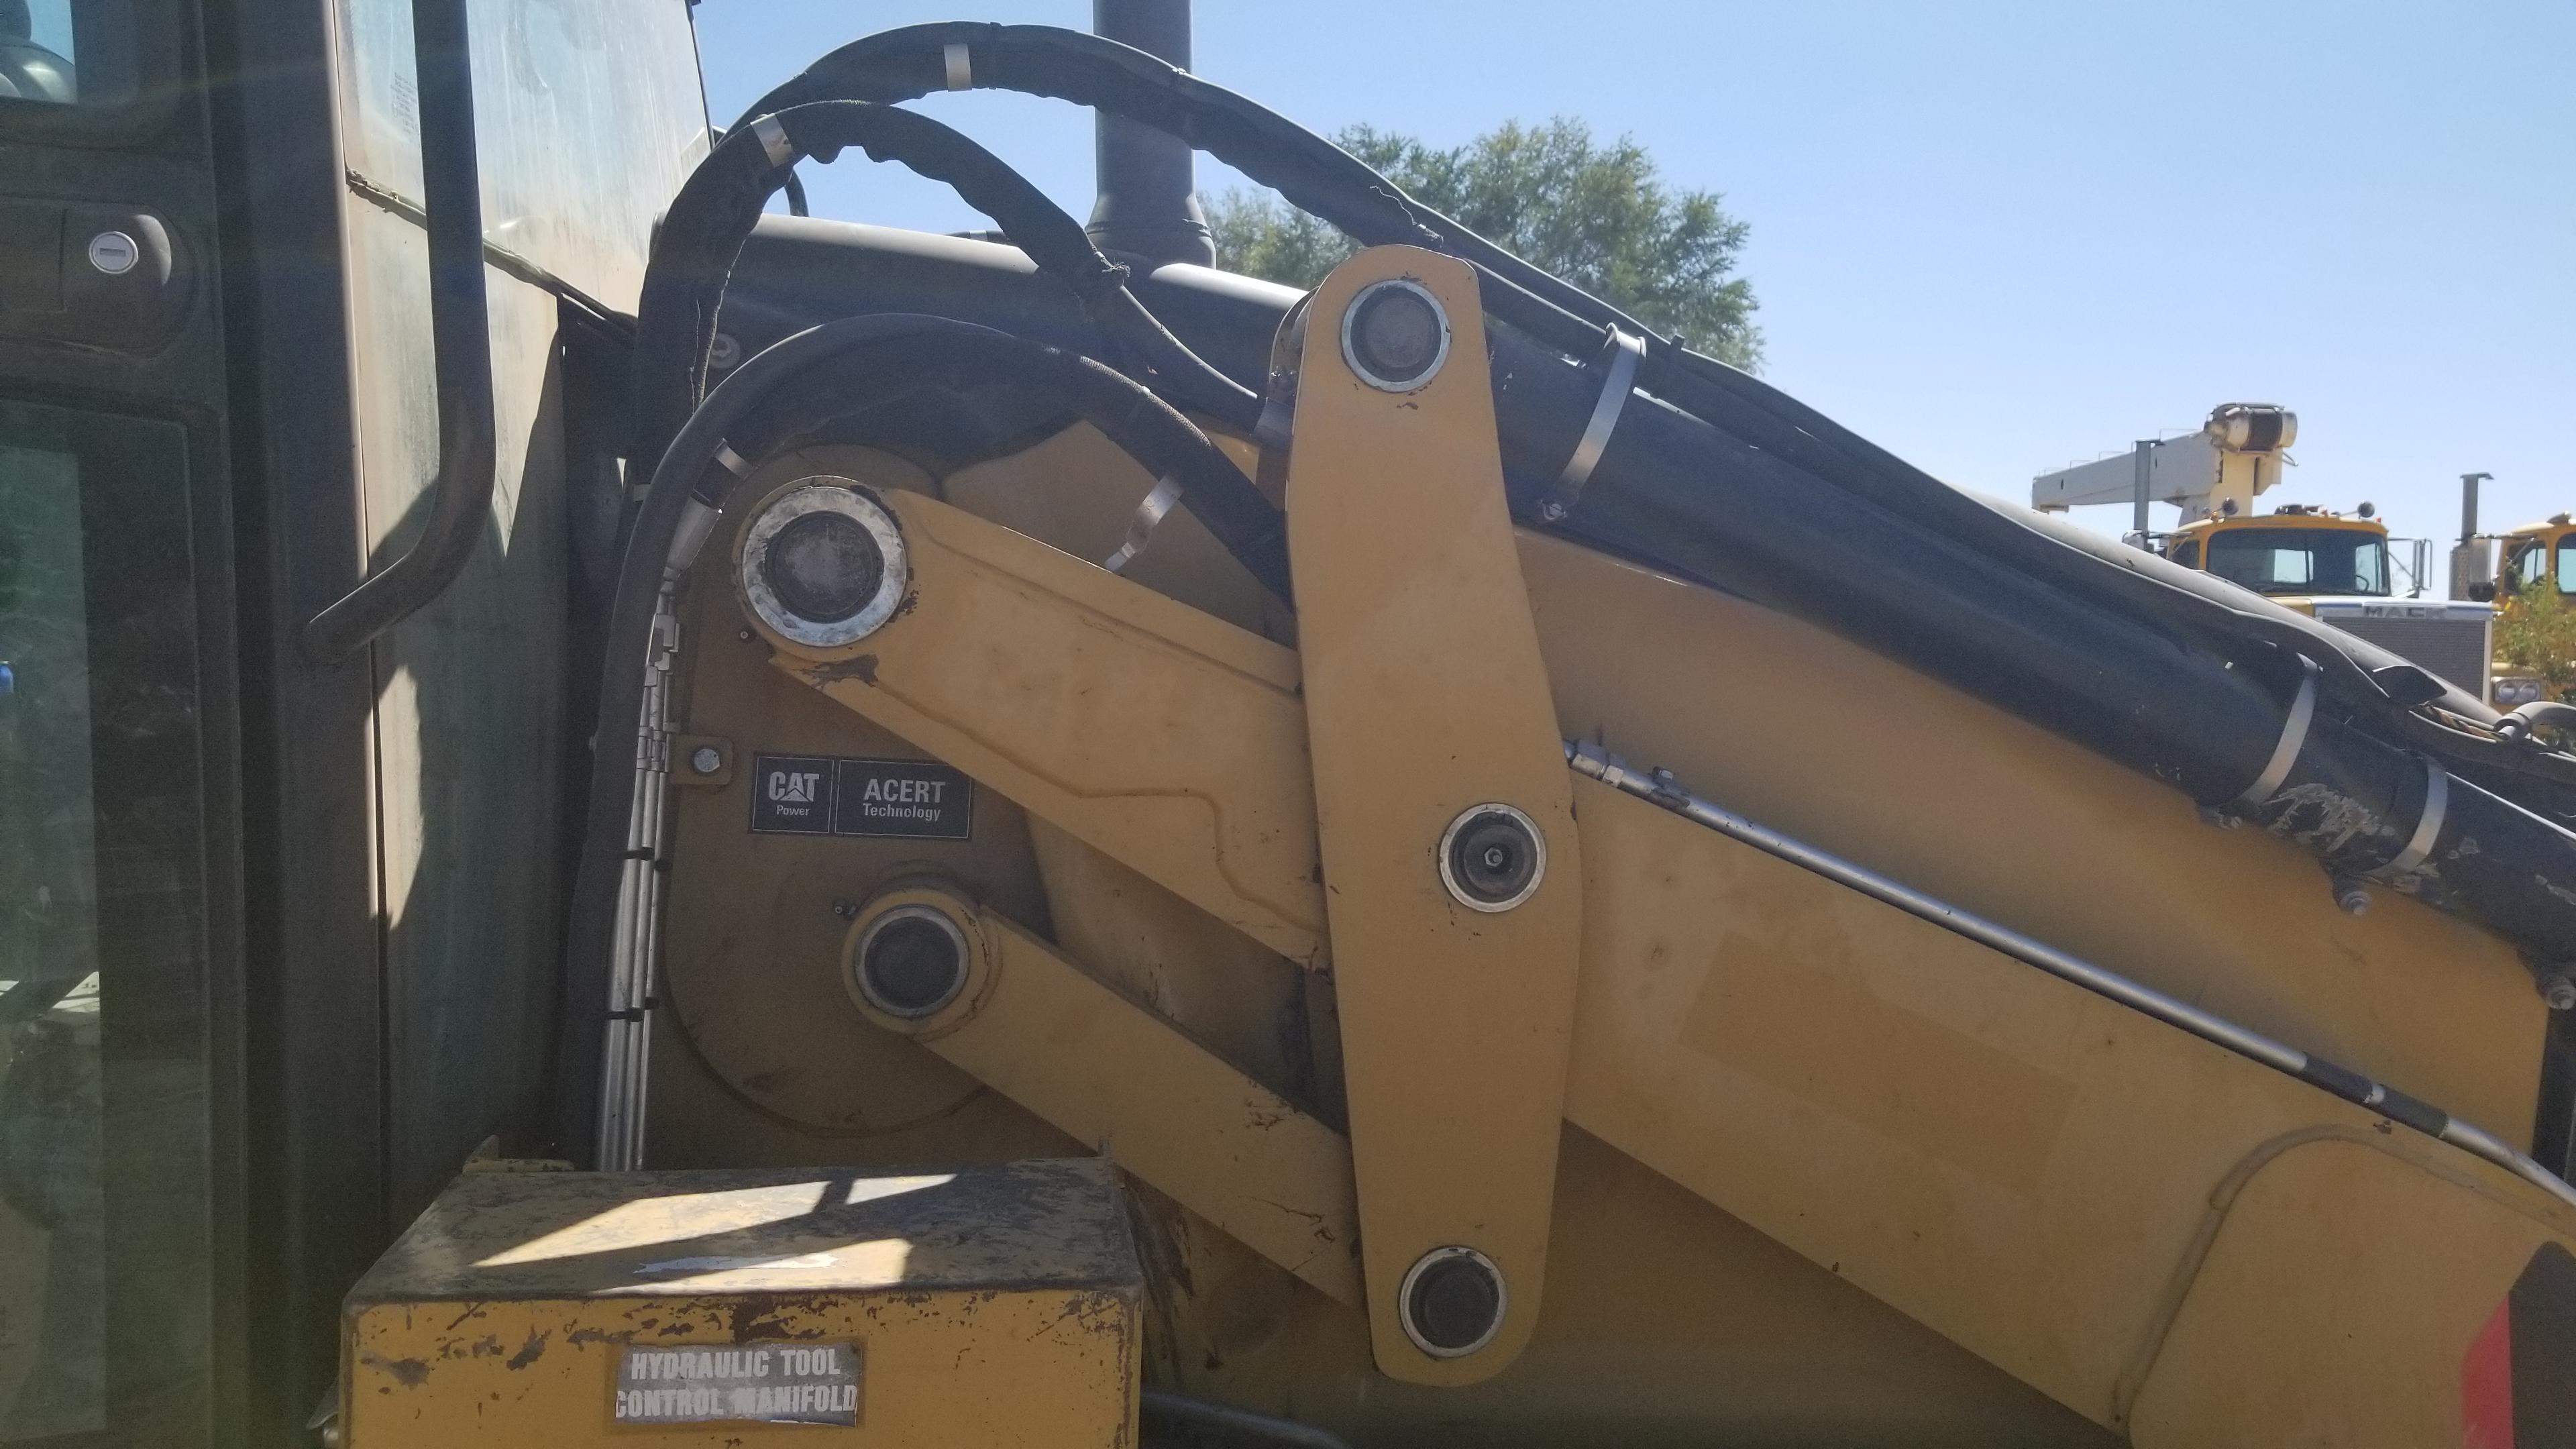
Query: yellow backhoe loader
x=636, y=822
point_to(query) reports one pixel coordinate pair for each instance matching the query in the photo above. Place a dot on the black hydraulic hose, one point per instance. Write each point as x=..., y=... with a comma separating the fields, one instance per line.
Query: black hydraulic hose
x=722, y=200
x=460, y=493
x=1677, y=493
x=1686, y=497
x=1319, y=177
x=786, y=390
x=961, y=358
x=793, y=187
x=1680, y=495
x=592, y=925
x=1121, y=80
x=2539, y=714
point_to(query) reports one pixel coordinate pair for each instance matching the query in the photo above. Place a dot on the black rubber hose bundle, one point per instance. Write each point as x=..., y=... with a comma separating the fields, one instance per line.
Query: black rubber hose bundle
x=1313, y=174
x=681, y=299
x=702, y=235
x=1674, y=492
x=2346, y=796
x=936, y=354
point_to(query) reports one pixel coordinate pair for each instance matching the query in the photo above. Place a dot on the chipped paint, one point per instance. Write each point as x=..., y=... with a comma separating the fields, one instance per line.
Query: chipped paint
x=2324, y=819
x=862, y=668
x=411, y=1373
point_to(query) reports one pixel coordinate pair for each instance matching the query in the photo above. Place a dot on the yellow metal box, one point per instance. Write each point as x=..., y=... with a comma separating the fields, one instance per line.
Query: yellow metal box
x=985, y=1305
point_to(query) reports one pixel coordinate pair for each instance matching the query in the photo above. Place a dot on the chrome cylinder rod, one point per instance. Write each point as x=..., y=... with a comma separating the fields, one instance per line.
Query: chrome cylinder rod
x=1659, y=787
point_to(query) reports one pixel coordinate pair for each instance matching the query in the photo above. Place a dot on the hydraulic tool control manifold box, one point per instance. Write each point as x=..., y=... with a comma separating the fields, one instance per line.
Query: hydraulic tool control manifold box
x=962, y=1306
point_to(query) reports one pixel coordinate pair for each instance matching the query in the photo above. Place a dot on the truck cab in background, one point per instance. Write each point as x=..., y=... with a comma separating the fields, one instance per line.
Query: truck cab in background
x=2532, y=561
x=2336, y=568
x=2536, y=553
x=2297, y=551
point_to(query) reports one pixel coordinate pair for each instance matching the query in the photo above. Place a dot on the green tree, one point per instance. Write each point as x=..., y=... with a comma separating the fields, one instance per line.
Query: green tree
x=1597, y=214
x=2535, y=632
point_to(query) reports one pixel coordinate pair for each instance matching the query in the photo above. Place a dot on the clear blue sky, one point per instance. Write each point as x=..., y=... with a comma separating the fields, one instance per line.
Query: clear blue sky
x=1994, y=237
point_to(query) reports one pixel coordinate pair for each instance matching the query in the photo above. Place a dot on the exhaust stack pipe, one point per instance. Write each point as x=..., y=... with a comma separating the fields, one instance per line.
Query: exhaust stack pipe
x=2472, y=564
x=1148, y=207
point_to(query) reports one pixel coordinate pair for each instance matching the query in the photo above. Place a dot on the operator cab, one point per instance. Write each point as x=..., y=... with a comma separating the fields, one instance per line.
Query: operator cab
x=2537, y=552
x=2297, y=550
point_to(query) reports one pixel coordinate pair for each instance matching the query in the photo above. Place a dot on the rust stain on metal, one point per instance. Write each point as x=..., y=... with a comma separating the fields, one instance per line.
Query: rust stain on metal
x=411, y=1373
x=755, y=1318
x=529, y=1352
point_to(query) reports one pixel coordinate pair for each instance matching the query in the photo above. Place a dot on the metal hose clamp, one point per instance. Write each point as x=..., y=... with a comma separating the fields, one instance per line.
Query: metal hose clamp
x=1619, y=359
x=2294, y=736
x=1140, y=528
x=773, y=140
x=961, y=69
x=2437, y=802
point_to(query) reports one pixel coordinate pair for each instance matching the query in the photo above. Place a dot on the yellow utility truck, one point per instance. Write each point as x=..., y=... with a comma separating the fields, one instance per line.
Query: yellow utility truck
x=2530, y=559
x=2536, y=553
x=2512, y=570
x=2334, y=567
x=628, y=820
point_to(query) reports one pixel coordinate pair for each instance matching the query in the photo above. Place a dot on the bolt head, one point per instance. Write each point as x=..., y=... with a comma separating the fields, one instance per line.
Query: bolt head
x=912, y=962
x=1395, y=335
x=1451, y=1302
x=1491, y=858
x=114, y=253
x=706, y=759
x=2559, y=992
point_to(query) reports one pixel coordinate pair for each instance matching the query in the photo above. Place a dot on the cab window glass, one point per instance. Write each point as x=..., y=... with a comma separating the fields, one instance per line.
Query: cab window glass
x=2527, y=565
x=2301, y=560
x=39, y=52
x=2187, y=554
x=2566, y=564
x=88, y=72
x=104, y=1185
